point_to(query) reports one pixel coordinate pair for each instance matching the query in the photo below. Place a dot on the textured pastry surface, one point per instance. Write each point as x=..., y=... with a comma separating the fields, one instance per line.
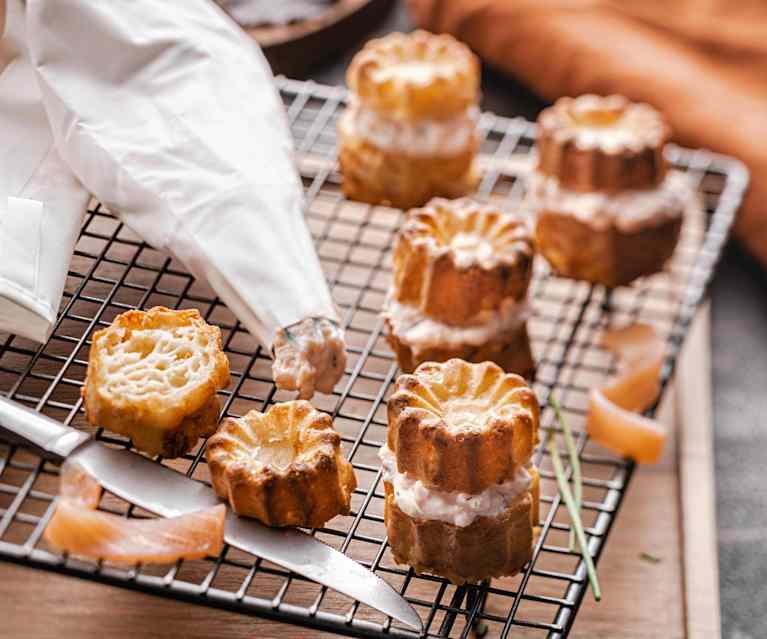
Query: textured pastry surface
x=415, y=75
x=593, y=143
x=153, y=376
x=284, y=467
x=487, y=547
x=610, y=257
x=457, y=426
x=609, y=239
x=454, y=259
x=379, y=176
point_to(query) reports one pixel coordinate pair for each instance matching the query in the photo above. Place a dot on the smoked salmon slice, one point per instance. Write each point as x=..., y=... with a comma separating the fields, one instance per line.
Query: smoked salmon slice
x=641, y=353
x=633, y=342
x=79, y=529
x=624, y=432
x=94, y=534
x=77, y=485
x=613, y=418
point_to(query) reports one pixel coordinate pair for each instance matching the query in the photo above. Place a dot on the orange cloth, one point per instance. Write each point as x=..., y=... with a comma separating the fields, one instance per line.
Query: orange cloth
x=702, y=62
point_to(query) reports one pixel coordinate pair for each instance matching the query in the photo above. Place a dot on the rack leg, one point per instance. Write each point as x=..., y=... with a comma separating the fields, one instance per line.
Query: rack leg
x=449, y=620
x=607, y=303
x=478, y=596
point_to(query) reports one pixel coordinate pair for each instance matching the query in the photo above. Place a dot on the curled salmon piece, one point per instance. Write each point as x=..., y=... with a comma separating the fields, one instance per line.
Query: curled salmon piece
x=624, y=432
x=631, y=343
x=82, y=531
x=613, y=418
x=77, y=485
x=641, y=352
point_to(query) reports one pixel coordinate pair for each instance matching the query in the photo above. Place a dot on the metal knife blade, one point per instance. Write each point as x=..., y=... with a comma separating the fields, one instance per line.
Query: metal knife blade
x=167, y=493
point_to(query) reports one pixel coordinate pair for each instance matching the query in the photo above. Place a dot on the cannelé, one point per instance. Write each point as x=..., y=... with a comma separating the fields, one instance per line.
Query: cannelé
x=462, y=494
x=153, y=376
x=461, y=272
x=284, y=467
x=608, y=208
x=409, y=132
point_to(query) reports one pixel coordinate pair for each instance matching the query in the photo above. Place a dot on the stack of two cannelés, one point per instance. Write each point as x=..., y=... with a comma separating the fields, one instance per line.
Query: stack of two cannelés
x=410, y=130
x=459, y=288
x=461, y=490
x=609, y=210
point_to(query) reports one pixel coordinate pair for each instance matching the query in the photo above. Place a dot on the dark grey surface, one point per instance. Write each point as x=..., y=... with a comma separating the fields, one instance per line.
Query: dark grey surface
x=739, y=336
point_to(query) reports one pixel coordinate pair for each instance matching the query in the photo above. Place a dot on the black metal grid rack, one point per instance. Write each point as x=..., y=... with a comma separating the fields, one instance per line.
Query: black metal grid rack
x=114, y=271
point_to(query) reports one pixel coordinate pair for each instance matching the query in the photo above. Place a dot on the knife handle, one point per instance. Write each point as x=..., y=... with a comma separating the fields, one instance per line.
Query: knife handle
x=52, y=440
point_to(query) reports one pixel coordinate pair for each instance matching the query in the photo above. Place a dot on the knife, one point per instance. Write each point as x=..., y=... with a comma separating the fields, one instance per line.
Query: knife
x=167, y=493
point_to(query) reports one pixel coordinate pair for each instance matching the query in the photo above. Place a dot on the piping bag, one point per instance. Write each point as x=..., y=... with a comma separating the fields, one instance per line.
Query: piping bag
x=167, y=112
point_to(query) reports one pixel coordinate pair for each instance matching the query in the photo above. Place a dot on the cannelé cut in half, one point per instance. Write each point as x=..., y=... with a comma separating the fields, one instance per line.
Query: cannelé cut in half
x=461, y=272
x=153, y=376
x=409, y=132
x=608, y=209
x=285, y=467
x=462, y=494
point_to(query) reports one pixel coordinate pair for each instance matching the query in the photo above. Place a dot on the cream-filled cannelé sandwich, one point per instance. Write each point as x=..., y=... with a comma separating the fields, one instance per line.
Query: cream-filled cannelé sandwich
x=460, y=277
x=608, y=209
x=410, y=130
x=462, y=493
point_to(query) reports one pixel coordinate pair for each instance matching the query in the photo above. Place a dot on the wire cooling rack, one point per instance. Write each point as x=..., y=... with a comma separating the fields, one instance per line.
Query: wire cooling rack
x=113, y=271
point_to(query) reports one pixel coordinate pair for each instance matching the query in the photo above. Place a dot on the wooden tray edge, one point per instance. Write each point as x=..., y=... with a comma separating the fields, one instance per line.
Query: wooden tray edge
x=697, y=488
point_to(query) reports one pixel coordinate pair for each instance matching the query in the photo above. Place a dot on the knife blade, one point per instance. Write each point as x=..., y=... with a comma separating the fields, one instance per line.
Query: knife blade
x=167, y=493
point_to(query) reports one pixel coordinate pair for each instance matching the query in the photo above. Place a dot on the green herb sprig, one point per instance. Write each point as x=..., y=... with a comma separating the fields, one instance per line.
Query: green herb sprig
x=567, y=496
x=575, y=462
x=650, y=559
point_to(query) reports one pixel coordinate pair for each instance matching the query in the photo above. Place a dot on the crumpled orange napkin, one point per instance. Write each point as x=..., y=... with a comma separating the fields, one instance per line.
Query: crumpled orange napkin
x=702, y=62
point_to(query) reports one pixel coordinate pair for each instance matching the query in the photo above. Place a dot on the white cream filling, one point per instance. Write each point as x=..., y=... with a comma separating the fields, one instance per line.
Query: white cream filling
x=417, y=137
x=460, y=509
x=628, y=211
x=420, y=332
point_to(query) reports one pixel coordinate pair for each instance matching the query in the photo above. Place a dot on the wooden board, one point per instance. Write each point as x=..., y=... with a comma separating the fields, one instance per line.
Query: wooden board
x=292, y=49
x=696, y=484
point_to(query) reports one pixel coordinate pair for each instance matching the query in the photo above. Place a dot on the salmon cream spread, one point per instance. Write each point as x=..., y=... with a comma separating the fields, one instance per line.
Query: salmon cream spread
x=460, y=509
x=309, y=356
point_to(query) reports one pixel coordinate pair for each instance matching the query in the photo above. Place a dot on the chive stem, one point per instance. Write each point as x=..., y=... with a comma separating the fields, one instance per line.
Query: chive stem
x=575, y=462
x=567, y=496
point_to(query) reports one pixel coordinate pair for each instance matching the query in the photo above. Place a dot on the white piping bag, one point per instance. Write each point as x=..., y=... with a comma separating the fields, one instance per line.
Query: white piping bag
x=167, y=112
x=41, y=202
